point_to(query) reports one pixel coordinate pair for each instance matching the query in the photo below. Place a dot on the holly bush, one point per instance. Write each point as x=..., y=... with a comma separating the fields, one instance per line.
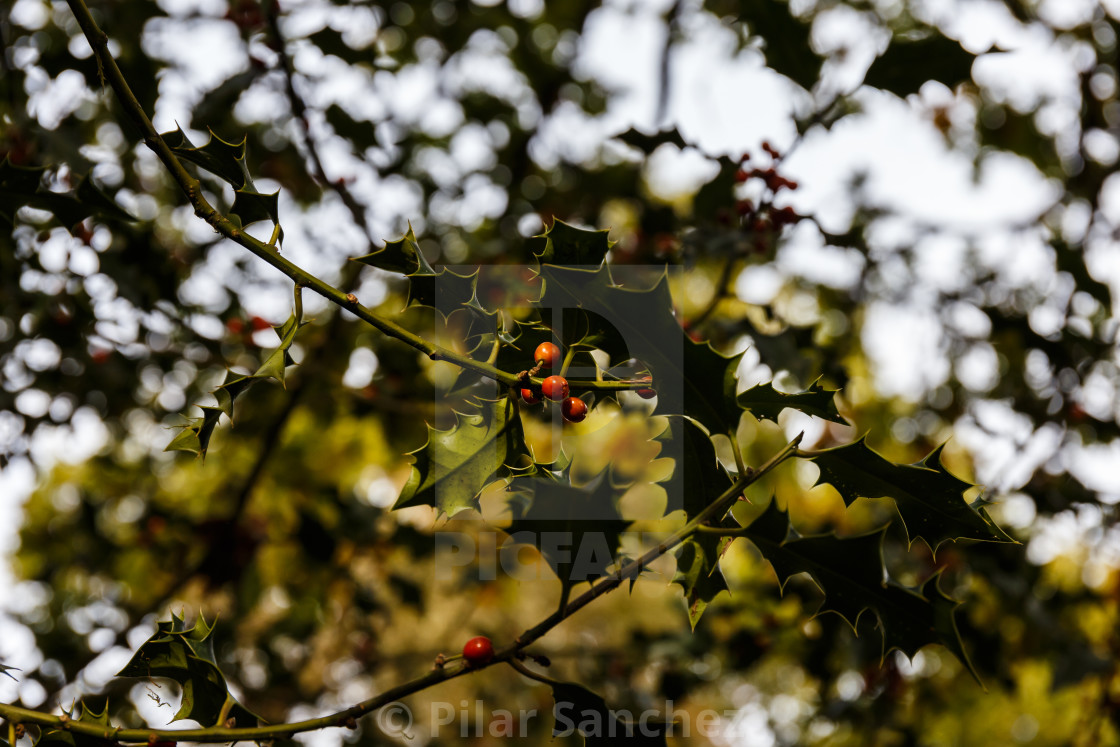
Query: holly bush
x=543, y=450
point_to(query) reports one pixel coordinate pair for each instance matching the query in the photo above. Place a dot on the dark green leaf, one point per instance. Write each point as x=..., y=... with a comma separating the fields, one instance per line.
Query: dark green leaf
x=456, y=464
x=195, y=435
x=402, y=255
x=764, y=401
x=59, y=737
x=186, y=655
x=576, y=529
x=567, y=245
x=929, y=499
x=227, y=161
x=850, y=572
x=698, y=480
x=709, y=386
x=22, y=187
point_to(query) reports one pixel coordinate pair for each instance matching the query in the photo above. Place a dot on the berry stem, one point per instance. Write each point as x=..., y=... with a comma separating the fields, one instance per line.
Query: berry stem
x=569, y=354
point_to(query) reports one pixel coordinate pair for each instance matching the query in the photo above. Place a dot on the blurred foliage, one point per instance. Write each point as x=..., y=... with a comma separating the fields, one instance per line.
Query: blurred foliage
x=119, y=310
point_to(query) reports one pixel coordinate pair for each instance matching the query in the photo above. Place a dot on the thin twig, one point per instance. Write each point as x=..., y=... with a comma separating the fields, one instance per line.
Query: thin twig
x=299, y=110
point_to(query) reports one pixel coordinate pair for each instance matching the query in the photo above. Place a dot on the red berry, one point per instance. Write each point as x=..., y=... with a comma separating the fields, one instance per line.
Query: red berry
x=530, y=397
x=235, y=326
x=547, y=354
x=479, y=650
x=647, y=393
x=259, y=324
x=741, y=176
x=555, y=388
x=574, y=409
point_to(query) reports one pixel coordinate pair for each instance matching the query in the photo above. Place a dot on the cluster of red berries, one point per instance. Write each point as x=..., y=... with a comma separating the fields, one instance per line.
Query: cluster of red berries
x=554, y=387
x=763, y=219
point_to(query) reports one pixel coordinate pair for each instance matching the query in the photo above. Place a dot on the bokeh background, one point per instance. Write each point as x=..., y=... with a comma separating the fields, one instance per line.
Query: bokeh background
x=952, y=270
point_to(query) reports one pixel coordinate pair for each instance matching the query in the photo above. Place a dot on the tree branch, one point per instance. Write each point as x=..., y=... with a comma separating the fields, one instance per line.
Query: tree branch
x=192, y=188
x=347, y=717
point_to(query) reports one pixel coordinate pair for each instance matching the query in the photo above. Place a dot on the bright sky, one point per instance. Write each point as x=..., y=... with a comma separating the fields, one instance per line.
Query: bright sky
x=728, y=108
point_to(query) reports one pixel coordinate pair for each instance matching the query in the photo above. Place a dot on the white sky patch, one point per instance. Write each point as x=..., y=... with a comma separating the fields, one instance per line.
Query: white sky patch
x=904, y=344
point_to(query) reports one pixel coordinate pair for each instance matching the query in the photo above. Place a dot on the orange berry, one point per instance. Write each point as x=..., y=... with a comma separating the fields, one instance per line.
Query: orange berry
x=555, y=388
x=574, y=409
x=547, y=354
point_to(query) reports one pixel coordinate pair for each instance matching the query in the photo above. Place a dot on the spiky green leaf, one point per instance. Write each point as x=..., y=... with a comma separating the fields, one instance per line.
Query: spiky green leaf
x=58, y=737
x=564, y=244
x=21, y=186
x=227, y=161
x=456, y=464
x=764, y=401
x=576, y=529
x=851, y=574
x=194, y=436
x=930, y=500
x=698, y=480
x=186, y=655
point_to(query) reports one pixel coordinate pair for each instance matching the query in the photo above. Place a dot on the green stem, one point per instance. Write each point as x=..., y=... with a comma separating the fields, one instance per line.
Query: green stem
x=740, y=465
x=520, y=667
x=347, y=717
x=568, y=356
x=192, y=188
x=716, y=509
x=215, y=734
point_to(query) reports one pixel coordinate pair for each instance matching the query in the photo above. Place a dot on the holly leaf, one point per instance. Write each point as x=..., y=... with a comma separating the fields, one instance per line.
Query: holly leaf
x=908, y=63
x=565, y=244
x=5, y=669
x=698, y=572
x=716, y=199
x=709, y=386
x=576, y=529
x=766, y=402
x=585, y=329
x=577, y=709
x=402, y=255
x=227, y=161
x=851, y=574
x=930, y=500
x=57, y=736
x=453, y=467
x=22, y=186
x=279, y=359
x=698, y=480
x=446, y=291
x=186, y=655
x=194, y=436
x=690, y=377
